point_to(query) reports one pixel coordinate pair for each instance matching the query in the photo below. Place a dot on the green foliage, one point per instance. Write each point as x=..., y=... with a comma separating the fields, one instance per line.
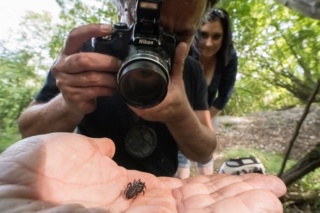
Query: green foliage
x=7, y=140
x=278, y=50
x=75, y=13
x=278, y=62
x=278, y=56
x=17, y=86
x=310, y=182
x=26, y=56
x=22, y=58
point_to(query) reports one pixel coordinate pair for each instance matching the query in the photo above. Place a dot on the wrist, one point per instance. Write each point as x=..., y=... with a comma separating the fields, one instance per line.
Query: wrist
x=68, y=112
x=182, y=117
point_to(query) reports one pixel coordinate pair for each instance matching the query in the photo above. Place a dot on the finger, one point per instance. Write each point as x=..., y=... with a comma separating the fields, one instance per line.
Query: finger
x=203, y=178
x=191, y=197
x=80, y=35
x=233, y=185
x=86, y=79
x=178, y=63
x=73, y=94
x=248, y=202
x=261, y=201
x=90, y=61
x=104, y=145
x=190, y=190
x=61, y=142
x=270, y=182
x=73, y=151
x=171, y=183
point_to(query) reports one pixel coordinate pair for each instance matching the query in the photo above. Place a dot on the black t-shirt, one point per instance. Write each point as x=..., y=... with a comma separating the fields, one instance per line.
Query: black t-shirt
x=115, y=120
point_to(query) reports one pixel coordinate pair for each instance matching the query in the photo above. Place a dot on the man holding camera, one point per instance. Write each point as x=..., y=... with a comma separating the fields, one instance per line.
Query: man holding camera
x=72, y=173
x=81, y=92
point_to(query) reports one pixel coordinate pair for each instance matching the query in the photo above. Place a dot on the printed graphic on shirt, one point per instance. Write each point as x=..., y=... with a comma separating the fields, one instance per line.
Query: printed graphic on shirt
x=141, y=141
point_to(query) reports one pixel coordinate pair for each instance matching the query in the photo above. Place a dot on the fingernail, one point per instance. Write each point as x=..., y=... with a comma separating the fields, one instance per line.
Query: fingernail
x=107, y=28
x=119, y=63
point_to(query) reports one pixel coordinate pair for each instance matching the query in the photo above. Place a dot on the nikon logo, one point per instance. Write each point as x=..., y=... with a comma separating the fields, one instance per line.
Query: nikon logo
x=145, y=41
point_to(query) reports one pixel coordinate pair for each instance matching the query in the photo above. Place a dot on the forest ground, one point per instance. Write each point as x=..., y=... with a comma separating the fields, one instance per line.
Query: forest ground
x=268, y=131
x=271, y=131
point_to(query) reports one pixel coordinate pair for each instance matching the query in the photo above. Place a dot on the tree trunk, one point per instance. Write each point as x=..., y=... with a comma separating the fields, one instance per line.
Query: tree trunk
x=310, y=8
x=299, y=197
x=308, y=163
x=296, y=132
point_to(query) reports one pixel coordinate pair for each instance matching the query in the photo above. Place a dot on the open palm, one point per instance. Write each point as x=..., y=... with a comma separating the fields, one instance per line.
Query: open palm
x=68, y=172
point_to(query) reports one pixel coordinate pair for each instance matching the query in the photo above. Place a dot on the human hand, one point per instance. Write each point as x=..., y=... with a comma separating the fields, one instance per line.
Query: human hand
x=66, y=172
x=175, y=106
x=83, y=76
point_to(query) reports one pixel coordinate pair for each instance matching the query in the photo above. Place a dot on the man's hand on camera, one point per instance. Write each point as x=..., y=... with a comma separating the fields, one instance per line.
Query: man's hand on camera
x=84, y=76
x=175, y=105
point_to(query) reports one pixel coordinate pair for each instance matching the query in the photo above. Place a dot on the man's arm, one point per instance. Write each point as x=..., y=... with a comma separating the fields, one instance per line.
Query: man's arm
x=195, y=135
x=214, y=112
x=53, y=116
x=192, y=130
x=81, y=77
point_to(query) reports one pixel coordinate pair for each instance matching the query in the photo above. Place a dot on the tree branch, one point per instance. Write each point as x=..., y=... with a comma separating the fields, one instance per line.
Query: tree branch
x=310, y=8
x=294, y=137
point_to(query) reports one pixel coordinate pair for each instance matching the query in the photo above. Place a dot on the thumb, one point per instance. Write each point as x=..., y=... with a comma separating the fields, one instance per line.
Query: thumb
x=104, y=145
x=178, y=63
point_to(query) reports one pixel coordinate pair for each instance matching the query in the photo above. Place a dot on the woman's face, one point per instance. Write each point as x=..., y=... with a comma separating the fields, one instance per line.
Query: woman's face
x=211, y=38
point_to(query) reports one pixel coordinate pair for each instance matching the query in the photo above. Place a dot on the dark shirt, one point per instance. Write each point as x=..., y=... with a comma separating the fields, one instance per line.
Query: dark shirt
x=223, y=82
x=114, y=119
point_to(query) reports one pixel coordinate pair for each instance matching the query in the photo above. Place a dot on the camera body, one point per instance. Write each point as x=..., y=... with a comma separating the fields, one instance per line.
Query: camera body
x=147, y=53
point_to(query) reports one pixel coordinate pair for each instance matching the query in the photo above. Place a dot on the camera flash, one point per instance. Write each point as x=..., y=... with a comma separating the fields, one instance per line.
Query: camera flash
x=149, y=5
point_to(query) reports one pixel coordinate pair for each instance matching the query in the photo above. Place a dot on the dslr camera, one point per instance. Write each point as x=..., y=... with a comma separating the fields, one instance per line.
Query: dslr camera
x=147, y=53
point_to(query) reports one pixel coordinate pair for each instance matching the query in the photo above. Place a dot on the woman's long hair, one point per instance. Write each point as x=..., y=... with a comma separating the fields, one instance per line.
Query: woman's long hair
x=227, y=43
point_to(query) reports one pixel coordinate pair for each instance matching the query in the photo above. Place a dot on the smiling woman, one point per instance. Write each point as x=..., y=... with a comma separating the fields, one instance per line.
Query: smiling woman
x=12, y=11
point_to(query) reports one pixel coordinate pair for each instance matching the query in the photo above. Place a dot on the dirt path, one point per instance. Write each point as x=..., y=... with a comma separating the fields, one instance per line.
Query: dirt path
x=270, y=131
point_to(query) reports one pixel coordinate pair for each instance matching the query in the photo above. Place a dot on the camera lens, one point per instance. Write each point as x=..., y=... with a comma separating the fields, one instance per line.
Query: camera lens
x=143, y=83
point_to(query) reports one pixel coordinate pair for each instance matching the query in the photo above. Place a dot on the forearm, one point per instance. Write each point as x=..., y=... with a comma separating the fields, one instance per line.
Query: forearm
x=195, y=139
x=214, y=112
x=42, y=118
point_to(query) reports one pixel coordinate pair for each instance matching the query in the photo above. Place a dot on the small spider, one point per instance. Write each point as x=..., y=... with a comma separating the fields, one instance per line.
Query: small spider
x=133, y=189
